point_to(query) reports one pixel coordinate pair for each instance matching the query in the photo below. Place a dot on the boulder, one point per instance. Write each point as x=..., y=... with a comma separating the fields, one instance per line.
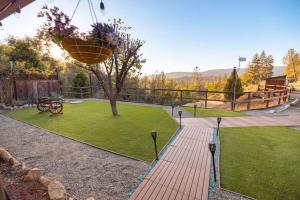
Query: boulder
x=33, y=175
x=44, y=181
x=5, y=155
x=56, y=191
x=14, y=162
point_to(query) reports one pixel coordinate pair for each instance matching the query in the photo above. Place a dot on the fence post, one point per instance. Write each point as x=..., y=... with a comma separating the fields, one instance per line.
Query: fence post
x=248, y=103
x=279, y=100
x=181, y=101
x=285, y=93
x=268, y=100
x=206, y=95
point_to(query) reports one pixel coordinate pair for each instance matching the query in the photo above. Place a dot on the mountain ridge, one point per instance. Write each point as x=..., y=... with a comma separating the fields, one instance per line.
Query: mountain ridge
x=277, y=71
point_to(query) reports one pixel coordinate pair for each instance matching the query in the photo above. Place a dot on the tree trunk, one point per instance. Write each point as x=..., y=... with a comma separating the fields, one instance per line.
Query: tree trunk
x=113, y=104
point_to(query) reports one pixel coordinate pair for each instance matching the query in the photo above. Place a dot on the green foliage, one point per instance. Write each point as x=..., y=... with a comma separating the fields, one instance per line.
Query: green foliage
x=229, y=86
x=260, y=68
x=27, y=56
x=91, y=122
x=261, y=162
x=80, y=80
x=292, y=65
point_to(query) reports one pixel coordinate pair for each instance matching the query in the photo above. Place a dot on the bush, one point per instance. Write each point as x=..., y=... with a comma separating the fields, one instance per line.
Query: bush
x=80, y=80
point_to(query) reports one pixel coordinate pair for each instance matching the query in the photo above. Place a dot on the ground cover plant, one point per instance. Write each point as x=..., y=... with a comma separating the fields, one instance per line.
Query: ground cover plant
x=93, y=123
x=261, y=162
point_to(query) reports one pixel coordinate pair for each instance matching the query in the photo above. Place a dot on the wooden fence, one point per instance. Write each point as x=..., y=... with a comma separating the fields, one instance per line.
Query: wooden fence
x=248, y=100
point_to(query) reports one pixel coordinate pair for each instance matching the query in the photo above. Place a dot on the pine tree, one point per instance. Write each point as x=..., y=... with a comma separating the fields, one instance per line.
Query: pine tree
x=228, y=88
x=292, y=64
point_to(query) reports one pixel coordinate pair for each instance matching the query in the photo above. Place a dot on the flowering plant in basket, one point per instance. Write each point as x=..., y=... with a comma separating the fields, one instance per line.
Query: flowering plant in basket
x=90, y=48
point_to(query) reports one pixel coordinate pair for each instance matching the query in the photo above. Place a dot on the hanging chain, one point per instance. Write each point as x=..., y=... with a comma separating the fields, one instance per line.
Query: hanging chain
x=75, y=9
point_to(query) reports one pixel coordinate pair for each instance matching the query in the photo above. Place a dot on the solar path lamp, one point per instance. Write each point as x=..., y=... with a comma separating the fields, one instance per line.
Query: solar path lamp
x=195, y=109
x=212, y=148
x=219, y=119
x=154, y=136
x=180, y=114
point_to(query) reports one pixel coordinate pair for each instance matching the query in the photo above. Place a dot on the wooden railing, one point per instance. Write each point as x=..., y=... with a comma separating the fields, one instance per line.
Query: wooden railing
x=248, y=100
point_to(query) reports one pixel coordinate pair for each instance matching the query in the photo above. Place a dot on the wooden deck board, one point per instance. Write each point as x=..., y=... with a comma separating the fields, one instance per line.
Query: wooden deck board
x=183, y=165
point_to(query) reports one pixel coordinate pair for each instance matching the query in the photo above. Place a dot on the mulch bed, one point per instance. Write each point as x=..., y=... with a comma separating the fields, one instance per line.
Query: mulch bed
x=16, y=188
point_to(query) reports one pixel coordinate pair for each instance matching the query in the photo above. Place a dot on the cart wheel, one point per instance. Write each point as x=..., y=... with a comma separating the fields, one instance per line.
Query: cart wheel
x=56, y=108
x=43, y=107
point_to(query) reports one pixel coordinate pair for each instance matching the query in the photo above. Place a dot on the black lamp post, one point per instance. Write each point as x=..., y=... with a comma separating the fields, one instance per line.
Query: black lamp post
x=195, y=108
x=219, y=119
x=173, y=106
x=154, y=136
x=180, y=114
x=212, y=148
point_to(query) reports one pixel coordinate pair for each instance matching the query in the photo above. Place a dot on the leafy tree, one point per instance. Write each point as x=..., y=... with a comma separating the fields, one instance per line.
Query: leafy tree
x=292, y=64
x=113, y=73
x=196, y=79
x=228, y=88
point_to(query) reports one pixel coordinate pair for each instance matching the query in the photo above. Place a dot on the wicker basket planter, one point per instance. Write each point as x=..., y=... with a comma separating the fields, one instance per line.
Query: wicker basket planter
x=87, y=52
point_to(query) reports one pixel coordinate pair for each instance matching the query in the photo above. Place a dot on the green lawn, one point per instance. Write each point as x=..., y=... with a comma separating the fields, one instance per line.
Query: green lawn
x=207, y=112
x=261, y=162
x=92, y=122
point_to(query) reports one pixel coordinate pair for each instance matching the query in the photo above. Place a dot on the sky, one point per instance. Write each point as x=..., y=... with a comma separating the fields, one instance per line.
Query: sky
x=182, y=34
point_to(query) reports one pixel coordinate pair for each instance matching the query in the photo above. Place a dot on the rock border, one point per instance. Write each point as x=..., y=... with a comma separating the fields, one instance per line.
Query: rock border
x=55, y=189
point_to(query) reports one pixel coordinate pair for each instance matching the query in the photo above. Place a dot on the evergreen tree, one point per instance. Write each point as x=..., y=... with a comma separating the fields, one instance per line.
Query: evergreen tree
x=260, y=68
x=228, y=88
x=80, y=80
x=292, y=65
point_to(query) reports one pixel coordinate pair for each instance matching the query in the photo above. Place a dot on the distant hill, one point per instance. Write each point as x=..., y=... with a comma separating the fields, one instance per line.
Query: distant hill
x=209, y=74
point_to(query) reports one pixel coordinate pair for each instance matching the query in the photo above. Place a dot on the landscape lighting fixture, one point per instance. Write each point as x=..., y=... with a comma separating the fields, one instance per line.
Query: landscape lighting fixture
x=154, y=136
x=212, y=148
x=180, y=114
x=219, y=119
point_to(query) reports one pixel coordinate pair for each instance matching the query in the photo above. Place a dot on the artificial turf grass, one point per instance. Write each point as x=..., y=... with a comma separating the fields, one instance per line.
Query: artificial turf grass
x=92, y=122
x=261, y=162
x=209, y=112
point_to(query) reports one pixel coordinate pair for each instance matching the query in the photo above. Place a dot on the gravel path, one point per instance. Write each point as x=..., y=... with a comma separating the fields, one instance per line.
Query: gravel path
x=84, y=170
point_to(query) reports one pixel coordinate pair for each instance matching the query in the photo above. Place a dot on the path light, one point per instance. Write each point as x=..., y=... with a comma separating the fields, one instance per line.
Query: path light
x=154, y=136
x=195, y=108
x=180, y=114
x=173, y=106
x=212, y=148
x=219, y=119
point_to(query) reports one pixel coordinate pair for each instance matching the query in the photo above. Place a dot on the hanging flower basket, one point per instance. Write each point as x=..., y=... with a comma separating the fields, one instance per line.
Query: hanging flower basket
x=87, y=52
x=93, y=47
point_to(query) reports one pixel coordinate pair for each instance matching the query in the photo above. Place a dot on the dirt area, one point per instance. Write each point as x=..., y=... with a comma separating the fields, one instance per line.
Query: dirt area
x=17, y=189
x=84, y=170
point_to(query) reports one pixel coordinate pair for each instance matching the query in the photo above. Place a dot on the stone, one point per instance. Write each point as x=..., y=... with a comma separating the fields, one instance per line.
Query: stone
x=14, y=162
x=90, y=198
x=33, y=175
x=44, y=181
x=56, y=191
x=5, y=155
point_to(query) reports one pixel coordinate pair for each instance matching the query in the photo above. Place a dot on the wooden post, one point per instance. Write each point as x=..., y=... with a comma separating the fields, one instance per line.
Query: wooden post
x=268, y=101
x=285, y=93
x=206, y=96
x=279, y=100
x=248, y=103
x=181, y=101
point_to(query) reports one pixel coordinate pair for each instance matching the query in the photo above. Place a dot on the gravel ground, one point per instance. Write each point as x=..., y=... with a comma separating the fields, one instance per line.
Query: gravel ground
x=84, y=170
x=228, y=195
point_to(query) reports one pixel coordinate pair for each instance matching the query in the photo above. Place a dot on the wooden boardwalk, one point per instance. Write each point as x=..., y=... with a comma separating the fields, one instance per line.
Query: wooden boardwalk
x=183, y=171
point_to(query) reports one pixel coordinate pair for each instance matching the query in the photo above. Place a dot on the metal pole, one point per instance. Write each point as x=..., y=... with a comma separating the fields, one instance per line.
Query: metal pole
x=214, y=166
